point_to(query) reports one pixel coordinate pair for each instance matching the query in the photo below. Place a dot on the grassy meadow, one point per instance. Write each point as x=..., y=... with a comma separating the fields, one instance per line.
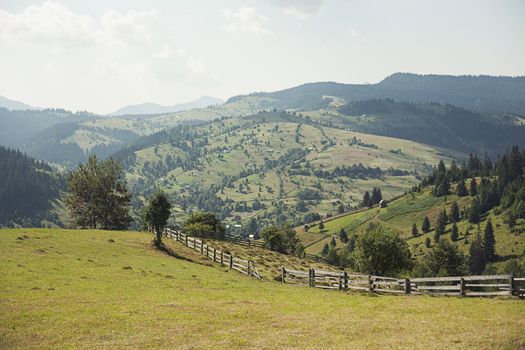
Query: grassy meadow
x=99, y=289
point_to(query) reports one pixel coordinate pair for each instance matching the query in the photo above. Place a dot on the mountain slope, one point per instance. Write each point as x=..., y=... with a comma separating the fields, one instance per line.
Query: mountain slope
x=477, y=93
x=28, y=190
x=154, y=108
x=273, y=166
x=14, y=105
x=401, y=213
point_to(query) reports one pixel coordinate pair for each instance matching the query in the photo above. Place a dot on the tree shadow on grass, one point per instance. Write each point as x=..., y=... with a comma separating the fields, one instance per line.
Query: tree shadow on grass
x=168, y=251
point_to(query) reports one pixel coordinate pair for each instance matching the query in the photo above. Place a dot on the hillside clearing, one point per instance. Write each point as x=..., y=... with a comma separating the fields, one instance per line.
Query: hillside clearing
x=94, y=289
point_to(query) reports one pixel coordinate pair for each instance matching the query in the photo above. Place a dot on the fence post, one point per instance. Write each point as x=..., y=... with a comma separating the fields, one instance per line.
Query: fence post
x=283, y=275
x=214, y=254
x=345, y=280
x=312, y=278
x=340, y=282
x=370, y=284
x=511, y=285
x=249, y=267
x=207, y=250
x=231, y=261
x=461, y=287
x=408, y=287
x=222, y=258
x=202, y=246
x=186, y=240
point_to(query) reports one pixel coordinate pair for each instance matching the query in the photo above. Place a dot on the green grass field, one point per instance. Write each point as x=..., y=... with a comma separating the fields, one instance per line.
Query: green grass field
x=98, y=289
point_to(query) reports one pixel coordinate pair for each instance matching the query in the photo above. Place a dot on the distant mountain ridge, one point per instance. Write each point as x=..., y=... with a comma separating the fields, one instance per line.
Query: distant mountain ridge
x=154, y=108
x=15, y=105
x=477, y=93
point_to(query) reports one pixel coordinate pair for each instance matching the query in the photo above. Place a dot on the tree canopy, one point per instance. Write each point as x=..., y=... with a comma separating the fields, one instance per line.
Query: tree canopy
x=98, y=196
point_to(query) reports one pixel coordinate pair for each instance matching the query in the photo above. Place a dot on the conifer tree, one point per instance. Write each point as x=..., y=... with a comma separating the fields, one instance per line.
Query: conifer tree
x=376, y=196
x=461, y=189
x=343, y=237
x=489, y=242
x=427, y=242
x=454, y=212
x=425, y=227
x=321, y=226
x=441, y=223
x=473, y=187
x=366, y=200
x=474, y=212
x=415, y=232
x=454, y=233
x=476, y=259
x=325, y=250
x=333, y=243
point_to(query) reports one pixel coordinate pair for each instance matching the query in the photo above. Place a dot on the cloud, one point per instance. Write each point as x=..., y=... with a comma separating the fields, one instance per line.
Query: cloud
x=132, y=45
x=48, y=24
x=245, y=19
x=301, y=9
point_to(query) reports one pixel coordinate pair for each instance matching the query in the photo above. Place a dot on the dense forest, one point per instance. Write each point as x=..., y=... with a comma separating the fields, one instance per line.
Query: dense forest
x=495, y=183
x=445, y=126
x=27, y=189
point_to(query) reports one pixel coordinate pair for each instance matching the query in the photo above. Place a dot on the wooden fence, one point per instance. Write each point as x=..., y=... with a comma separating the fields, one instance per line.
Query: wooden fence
x=470, y=286
x=218, y=256
x=244, y=241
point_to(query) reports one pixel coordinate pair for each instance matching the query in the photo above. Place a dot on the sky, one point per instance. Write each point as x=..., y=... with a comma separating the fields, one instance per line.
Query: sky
x=100, y=55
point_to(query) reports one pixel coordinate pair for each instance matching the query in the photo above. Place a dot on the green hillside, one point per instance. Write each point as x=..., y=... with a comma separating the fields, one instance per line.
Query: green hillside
x=274, y=165
x=100, y=289
x=400, y=215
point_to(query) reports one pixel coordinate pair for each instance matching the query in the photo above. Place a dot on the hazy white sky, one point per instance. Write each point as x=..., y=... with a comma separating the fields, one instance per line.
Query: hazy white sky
x=100, y=55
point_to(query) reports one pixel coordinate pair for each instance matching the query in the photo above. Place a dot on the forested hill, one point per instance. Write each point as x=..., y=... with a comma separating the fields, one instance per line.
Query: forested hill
x=435, y=124
x=27, y=190
x=477, y=93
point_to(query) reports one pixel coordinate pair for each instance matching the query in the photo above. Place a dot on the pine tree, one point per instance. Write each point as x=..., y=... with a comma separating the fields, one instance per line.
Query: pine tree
x=454, y=212
x=415, y=232
x=425, y=227
x=461, y=190
x=325, y=250
x=441, y=223
x=477, y=256
x=427, y=242
x=333, y=243
x=489, y=242
x=366, y=200
x=343, y=237
x=454, y=233
x=376, y=196
x=474, y=212
x=321, y=226
x=473, y=187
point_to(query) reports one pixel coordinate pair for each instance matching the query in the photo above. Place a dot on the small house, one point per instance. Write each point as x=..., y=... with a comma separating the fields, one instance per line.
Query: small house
x=382, y=203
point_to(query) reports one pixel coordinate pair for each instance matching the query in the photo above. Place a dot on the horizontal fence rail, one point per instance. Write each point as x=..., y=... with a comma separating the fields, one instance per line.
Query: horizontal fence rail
x=235, y=263
x=469, y=286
